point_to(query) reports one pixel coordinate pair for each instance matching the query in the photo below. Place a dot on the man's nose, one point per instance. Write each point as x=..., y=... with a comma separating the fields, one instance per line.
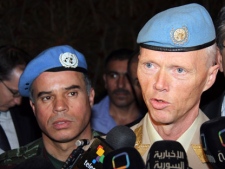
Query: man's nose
x=122, y=80
x=17, y=100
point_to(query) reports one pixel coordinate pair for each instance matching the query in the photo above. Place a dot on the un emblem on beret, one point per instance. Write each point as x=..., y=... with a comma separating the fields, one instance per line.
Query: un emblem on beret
x=68, y=60
x=179, y=36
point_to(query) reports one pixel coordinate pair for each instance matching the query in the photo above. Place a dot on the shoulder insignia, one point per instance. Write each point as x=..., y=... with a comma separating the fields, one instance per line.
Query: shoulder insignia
x=142, y=148
x=200, y=153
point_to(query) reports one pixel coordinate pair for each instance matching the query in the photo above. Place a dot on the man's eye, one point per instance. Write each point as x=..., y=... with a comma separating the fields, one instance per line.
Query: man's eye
x=46, y=98
x=73, y=93
x=113, y=75
x=148, y=65
x=180, y=70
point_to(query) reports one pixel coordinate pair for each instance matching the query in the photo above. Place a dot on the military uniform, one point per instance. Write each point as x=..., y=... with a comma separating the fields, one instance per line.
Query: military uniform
x=174, y=31
x=147, y=135
x=12, y=158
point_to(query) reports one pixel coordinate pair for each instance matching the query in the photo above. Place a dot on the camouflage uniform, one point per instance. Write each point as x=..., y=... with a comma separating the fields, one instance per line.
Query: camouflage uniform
x=12, y=158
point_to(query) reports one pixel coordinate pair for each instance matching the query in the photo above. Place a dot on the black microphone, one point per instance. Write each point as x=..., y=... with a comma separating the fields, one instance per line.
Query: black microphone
x=167, y=154
x=213, y=141
x=124, y=158
x=121, y=136
x=76, y=154
x=37, y=162
x=117, y=137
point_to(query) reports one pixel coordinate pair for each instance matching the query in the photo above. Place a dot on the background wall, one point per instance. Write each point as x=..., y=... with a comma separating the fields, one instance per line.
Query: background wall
x=94, y=27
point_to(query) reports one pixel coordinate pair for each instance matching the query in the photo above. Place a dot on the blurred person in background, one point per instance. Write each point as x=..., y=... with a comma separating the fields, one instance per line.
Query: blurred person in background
x=119, y=106
x=17, y=122
x=216, y=107
x=132, y=74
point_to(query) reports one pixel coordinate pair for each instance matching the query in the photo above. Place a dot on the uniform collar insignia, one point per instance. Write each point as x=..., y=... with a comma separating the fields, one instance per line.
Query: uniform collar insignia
x=142, y=148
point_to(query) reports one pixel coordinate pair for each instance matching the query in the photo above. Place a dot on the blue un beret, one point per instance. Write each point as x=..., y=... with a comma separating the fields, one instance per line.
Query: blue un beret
x=179, y=29
x=59, y=58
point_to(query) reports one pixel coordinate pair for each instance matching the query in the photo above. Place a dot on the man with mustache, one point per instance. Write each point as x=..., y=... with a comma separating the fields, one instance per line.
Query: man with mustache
x=119, y=107
x=61, y=97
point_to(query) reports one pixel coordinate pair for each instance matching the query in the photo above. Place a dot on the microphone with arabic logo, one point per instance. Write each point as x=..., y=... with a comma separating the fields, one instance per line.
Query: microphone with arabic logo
x=213, y=141
x=167, y=154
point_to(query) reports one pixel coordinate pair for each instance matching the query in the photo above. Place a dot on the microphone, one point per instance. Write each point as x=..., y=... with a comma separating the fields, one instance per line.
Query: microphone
x=167, y=154
x=82, y=142
x=121, y=136
x=117, y=137
x=76, y=154
x=213, y=141
x=35, y=163
x=124, y=158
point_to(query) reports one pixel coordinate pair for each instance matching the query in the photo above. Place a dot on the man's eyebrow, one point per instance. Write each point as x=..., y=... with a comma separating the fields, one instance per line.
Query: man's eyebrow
x=66, y=88
x=72, y=87
x=43, y=93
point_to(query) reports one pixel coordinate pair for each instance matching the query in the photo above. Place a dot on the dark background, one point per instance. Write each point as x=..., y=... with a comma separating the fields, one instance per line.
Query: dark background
x=94, y=27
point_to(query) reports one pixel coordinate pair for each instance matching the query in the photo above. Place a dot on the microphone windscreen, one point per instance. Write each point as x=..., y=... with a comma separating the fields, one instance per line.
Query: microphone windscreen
x=166, y=154
x=213, y=141
x=123, y=158
x=35, y=163
x=121, y=136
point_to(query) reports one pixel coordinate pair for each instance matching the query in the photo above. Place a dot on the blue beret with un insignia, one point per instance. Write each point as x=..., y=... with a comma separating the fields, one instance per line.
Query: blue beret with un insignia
x=58, y=58
x=179, y=29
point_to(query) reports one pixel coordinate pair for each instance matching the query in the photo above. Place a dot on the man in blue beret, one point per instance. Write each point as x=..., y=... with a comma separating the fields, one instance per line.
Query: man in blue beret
x=61, y=97
x=178, y=61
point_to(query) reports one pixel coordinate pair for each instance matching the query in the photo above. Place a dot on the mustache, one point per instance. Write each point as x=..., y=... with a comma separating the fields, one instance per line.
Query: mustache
x=121, y=91
x=61, y=116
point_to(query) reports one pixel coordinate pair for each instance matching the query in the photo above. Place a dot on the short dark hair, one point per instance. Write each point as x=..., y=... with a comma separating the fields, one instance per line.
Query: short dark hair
x=220, y=28
x=11, y=57
x=119, y=54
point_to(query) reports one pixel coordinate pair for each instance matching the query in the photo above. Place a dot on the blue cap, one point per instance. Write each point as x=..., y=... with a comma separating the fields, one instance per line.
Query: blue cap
x=179, y=29
x=59, y=58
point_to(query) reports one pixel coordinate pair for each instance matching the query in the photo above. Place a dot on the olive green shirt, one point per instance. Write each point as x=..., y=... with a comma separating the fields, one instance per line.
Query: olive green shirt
x=12, y=158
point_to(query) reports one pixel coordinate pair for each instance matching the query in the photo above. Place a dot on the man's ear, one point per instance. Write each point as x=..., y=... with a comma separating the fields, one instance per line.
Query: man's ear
x=212, y=74
x=32, y=106
x=91, y=97
x=219, y=59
